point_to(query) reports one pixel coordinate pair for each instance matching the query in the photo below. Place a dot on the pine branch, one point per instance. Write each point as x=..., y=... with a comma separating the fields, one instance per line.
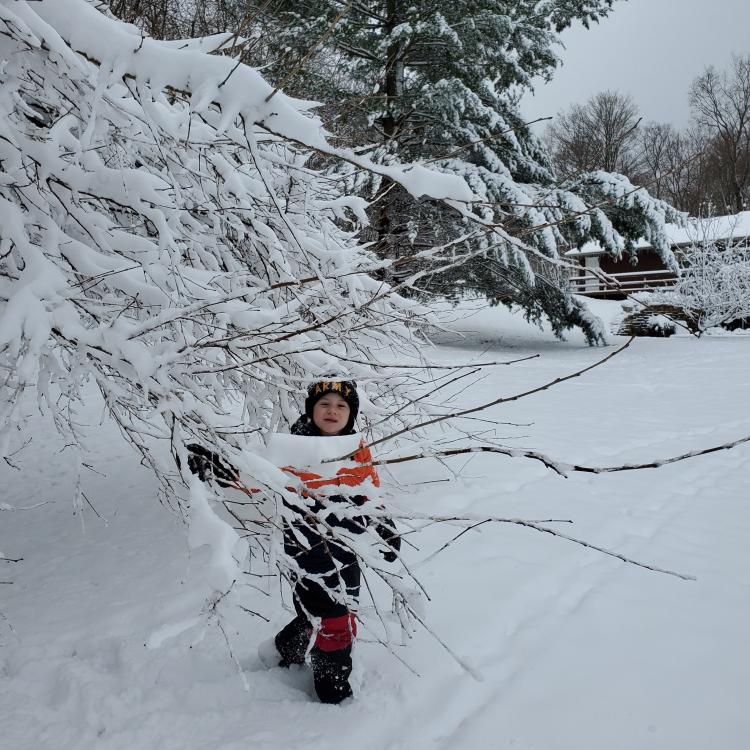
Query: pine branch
x=488, y=139
x=313, y=49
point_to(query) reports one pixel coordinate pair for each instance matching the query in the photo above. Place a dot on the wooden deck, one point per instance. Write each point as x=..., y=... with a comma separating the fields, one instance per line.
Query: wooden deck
x=597, y=283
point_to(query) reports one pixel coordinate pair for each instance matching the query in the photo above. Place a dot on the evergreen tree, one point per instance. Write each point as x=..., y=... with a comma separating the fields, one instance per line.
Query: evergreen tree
x=440, y=82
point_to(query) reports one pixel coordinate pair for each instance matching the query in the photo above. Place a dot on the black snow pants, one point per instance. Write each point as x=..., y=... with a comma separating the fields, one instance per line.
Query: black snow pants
x=331, y=654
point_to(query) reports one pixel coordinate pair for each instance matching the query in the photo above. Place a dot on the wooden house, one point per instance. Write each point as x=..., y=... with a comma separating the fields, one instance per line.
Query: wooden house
x=606, y=277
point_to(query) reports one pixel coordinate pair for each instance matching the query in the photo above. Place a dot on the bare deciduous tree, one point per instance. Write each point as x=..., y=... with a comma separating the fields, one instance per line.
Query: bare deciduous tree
x=677, y=166
x=720, y=101
x=178, y=19
x=600, y=134
x=658, y=144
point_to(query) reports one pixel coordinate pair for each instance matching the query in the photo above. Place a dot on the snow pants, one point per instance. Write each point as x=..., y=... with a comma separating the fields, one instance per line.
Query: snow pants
x=331, y=654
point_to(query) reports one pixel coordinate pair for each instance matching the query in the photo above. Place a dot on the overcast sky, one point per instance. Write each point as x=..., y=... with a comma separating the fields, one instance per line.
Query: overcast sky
x=650, y=49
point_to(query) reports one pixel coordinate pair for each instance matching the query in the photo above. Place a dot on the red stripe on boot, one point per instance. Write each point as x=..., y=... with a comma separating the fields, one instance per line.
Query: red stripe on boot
x=336, y=633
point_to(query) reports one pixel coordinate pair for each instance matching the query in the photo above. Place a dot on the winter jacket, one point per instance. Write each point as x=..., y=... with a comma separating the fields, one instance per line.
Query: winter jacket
x=309, y=541
x=319, y=550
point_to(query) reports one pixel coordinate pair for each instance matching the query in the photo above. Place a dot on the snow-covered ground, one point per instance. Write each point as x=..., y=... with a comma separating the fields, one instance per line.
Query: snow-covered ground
x=574, y=650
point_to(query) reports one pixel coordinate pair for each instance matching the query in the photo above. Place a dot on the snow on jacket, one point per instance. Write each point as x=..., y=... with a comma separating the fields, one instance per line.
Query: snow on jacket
x=311, y=542
x=331, y=489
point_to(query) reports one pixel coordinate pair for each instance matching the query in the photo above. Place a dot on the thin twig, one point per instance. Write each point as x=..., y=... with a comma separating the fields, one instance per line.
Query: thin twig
x=23, y=507
x=497, y=401
x=536, y=526
x=662, y=462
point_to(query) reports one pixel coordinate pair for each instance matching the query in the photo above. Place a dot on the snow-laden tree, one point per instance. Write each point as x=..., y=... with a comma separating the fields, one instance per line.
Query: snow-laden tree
x=440, y=82
x=161, y=227
x=714, y=285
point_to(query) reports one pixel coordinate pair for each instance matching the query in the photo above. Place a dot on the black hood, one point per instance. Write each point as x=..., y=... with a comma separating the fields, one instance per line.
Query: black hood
x=306, y=427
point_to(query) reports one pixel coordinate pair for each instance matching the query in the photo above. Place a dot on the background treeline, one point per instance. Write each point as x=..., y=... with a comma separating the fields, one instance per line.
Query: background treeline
x=703, y=169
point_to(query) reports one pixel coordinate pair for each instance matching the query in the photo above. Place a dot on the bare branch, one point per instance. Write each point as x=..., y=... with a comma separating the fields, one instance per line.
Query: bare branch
x=506, y=399
x=560, y=468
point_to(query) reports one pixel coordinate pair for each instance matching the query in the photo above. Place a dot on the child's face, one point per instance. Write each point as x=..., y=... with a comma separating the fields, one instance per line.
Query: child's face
x=331, y=413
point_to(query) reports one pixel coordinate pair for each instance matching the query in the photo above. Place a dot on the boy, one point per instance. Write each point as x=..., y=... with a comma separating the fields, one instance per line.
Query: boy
x=328, y=576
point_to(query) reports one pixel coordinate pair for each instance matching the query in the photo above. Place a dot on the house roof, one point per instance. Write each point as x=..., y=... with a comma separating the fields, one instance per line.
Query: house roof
x=695, y=230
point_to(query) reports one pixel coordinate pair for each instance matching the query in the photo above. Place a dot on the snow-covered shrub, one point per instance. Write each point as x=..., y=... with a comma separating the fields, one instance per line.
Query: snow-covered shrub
x=714, y=286
x=659, y=326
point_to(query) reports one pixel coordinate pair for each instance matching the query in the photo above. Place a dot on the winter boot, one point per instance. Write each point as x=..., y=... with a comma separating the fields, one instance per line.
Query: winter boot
x=292, y=641
x=331, y=670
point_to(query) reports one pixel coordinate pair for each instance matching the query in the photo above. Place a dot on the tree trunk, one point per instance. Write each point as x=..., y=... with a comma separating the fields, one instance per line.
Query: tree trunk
x=393, y=84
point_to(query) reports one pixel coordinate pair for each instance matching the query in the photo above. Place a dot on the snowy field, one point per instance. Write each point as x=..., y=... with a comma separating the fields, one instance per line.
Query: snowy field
x=574, y=650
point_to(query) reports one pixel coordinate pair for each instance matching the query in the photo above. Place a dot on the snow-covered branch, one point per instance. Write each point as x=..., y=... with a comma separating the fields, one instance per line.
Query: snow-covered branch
x=156, y=242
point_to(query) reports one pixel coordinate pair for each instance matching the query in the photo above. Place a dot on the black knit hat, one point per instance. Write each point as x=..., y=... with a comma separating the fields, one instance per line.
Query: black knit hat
x=347, y=389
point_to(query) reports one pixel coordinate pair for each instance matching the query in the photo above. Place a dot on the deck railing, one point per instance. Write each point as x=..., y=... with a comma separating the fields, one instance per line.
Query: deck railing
x=597, y=283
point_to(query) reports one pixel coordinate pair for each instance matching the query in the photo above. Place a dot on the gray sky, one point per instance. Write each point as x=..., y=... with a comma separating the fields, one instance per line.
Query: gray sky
x=650, y=49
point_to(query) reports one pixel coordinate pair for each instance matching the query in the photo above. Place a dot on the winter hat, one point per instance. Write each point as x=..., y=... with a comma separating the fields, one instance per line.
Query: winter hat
x=347, y=389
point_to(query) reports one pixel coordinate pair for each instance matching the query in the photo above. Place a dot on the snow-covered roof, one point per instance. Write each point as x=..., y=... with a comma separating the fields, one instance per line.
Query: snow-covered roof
x=695, y=230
